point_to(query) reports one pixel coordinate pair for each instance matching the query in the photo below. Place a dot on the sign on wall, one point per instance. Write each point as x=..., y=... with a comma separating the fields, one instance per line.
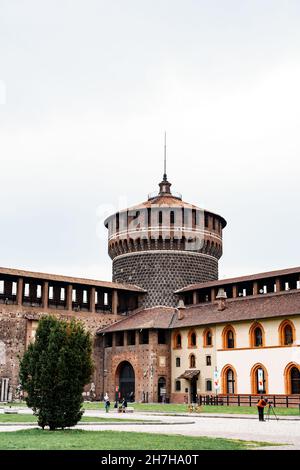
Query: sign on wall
x=216, y=379
x=260, y=380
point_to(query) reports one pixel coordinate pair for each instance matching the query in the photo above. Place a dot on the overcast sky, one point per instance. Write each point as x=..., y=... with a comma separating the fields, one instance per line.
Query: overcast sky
x=87, y=88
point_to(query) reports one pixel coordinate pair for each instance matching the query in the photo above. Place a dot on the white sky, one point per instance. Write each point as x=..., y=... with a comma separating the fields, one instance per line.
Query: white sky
x=87, y=89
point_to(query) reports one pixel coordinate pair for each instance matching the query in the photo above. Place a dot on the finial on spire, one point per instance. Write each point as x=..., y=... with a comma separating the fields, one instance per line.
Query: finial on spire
x=164, y=186
x=165, y=158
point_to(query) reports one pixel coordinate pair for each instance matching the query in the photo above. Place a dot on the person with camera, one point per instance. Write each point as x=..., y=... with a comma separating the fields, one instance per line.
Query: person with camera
x=261, y=404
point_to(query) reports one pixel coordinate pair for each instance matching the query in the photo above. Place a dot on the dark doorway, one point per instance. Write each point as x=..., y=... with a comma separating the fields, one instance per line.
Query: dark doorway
x=126, y=381
x=161, y=389
x=295, y=380
x=194, y=390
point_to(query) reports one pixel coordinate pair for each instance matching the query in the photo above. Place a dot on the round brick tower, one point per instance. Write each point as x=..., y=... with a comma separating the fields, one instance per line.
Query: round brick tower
x=164, y=244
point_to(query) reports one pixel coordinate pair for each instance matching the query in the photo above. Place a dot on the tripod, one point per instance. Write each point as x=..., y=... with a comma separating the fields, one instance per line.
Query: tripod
x=271, y=408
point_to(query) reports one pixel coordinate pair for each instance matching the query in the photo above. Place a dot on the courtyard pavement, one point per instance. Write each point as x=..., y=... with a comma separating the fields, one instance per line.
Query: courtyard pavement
x=246, y=427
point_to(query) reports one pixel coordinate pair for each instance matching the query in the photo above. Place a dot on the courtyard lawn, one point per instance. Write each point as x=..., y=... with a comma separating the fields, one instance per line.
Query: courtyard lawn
x=180, y=408
x=28, y=418
x=36, y=439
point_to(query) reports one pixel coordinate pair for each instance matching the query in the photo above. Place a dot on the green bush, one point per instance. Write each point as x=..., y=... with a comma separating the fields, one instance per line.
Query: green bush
x=54, y=370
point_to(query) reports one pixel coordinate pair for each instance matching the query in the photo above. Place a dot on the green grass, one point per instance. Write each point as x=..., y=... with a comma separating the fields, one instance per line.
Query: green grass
x=180, y=408
x=27, y=418
x=36, y=439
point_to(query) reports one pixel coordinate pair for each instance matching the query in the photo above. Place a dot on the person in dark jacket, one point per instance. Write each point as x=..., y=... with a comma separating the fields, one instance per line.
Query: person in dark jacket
x=261, y=404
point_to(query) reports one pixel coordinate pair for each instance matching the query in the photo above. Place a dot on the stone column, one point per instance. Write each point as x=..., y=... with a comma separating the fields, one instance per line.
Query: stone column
x=234, y=291
x=45, y=294
x=92, y=299
x=213, y=294
x=278, y=285
x=255, y=288
x=195, y=297
x=114, y=304
x=20, y=291
x=69, y=296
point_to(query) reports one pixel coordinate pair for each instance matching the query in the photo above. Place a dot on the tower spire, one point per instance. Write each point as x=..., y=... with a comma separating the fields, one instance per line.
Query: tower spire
x=164, y=186
x=165, y=158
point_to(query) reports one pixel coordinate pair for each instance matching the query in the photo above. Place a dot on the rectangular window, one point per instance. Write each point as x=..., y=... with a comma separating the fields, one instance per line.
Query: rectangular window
x=105, y=298
x=120, y=338
x=62, y=294
x=177, y=385
x=96, y=297
x=14, y=288
x=39, y=291
x=26, y=290
x=194, y=218
x=177, y=361
x=149, y=217
x=85, y=299
x=206, y=220
x=161, y=337
x=74, y=295
x=50, y=292
x=208, y=360
x=131, y=338
x=208, y=385
x=144, y=337
x=1, y=287
x=108, y=340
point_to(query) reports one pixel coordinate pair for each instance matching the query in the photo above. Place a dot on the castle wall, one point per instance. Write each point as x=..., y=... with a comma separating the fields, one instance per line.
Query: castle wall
x=17, y=325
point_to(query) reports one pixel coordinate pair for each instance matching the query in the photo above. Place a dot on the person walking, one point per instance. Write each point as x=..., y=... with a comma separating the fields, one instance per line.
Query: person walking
x=261, y=404
x=106, y=402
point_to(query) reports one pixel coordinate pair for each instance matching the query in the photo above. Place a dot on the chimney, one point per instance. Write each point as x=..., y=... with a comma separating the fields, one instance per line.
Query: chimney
x=180, y=308
x=221, y=297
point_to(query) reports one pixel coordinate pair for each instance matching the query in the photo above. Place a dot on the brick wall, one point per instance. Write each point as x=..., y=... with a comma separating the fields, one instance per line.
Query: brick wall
x=15, y=332
x=161, y=273
x=145, y=361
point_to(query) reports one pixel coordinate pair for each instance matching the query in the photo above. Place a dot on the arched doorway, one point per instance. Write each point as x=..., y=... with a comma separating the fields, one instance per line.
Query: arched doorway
x=126, y=380
x=161, y=389
x=229, y=380
x=259, y=379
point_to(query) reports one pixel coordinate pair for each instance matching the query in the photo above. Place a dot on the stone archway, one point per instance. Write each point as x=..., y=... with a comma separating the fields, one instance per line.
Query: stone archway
x=125, y=376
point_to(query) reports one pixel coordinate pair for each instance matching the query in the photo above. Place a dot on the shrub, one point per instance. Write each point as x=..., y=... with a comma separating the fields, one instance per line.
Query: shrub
x=54, y=370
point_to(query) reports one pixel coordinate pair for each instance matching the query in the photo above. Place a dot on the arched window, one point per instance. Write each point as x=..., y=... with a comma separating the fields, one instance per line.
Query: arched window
x=295, y=380
x=160, y=217
x=257, y=335
x=172, y=217
x=228, y=376
x=177, y=341
x=192, y=361
x=292, y=378
x=287, y=333
x=259, y=379
x=207, y=338
x=228, y=337
x=192, y=339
